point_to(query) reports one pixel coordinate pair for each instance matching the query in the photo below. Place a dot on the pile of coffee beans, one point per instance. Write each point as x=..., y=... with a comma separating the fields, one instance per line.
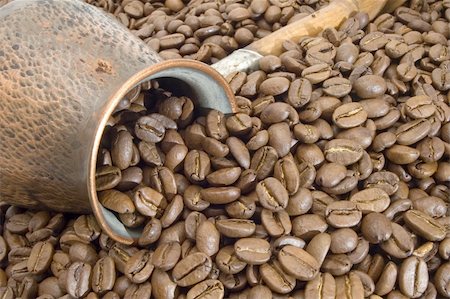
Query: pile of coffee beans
x=205, y=30
x=332, y=180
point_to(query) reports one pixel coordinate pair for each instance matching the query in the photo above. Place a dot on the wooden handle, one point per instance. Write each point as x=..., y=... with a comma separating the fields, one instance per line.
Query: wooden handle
x=330, y=16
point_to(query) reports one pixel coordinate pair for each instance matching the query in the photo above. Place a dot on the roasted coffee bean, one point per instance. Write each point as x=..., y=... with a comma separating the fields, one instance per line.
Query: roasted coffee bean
x=192, y=269
x=148, y=201
x=253, y=251
x=78, y=279
x=236, y=228
x=371, y=200
x=228, y=262
x=413, y=277
x=424, y=225
x=350, y=285
x=343, y=214
x=207, y=289
x=343, y=151
x=207, y=238
x=349, y=115
x=272, y=194
x=376, y=228
x=116, y=201
x=275, y=278
x=166, y=255
x=103, y=275
x=298, y=263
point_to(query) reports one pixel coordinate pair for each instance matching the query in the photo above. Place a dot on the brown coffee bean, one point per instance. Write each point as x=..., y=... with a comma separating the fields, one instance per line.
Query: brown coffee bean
x=424, y=225
x=207, y=238
x=122, y=150
x=343, y=240
x=40, y=258
x=116, y=201
x=148, y=201
x=220, y=195
x=298, y=263
x=280, y=138
x=103, y=275
x=413, y=277
x=349, y=285
x=228, y=262
x=330, y=174
x=276, y=223
x=413, y=131
x=107, y=177
x=78, y=279
x=252, y=250
x=308, y=225
x=376, y=228
x=209, y=288
x=343, y=151
x=299, y=93
x=343, y=214
x=402, y=154
x=275, y=278
x=272, y=194
x=369, y=86
x=371, y=200
x=236, y=228
x=349, y=115
x=322, y=286
x=151, y=232
x=197, y=166
x=192, y=269
x=337, y=264
x=239, y=152
x=166, y=255
x=274, y=86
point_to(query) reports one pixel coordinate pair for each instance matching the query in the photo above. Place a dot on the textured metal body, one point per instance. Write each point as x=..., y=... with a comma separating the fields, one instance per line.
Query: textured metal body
x=64, y=65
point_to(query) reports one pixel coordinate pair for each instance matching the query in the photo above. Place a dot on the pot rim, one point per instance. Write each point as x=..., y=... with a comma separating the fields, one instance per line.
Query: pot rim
x=112, y=102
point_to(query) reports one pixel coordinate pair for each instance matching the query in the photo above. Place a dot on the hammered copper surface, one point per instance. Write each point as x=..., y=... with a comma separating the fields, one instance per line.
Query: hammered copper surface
x=64, y=65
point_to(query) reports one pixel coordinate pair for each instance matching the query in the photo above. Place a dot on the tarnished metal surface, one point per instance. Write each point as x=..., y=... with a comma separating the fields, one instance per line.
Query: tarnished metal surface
x=64, y=65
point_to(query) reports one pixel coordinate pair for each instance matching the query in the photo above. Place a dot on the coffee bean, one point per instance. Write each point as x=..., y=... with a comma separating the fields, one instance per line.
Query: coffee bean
x=413, y=277
x=350, y=284
x=322, y=286
x=116, y=201
x=192, y=269
x=236, y=228
x=369, y=86
x=207, y=238
x=166, y=255
x=349, y=115
x=252, y=250
x=275, y=278
x=424, y=225
x=207, y=289
x=78, y=279
x=122, y=150
x=371, y=200
x=148, y=201
x=343, y=151
x=228, y=262
x=40, y=258
x=383, y=231
x=272, y=194
x=103, y=275
x=343, y=214
x=298, y=263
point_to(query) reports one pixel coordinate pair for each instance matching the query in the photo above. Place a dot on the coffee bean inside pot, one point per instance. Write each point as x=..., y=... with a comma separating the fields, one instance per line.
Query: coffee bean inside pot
x=331, y=179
